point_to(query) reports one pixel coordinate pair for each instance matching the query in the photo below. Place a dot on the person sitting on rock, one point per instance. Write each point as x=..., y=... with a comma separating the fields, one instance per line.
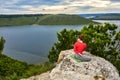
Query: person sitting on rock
x=79, y=47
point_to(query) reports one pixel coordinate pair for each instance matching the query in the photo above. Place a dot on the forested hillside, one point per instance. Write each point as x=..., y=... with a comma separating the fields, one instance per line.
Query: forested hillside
x=43, y=19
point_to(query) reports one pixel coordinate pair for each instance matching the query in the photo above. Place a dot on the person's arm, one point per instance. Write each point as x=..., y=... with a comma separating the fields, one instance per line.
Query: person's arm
x=75, y=48
x=84, y=48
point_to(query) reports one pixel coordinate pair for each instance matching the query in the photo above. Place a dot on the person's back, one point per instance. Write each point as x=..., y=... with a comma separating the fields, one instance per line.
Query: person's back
x=79, y=47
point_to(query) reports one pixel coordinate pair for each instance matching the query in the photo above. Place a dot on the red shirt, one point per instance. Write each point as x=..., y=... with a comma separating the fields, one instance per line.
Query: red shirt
x=79, y=47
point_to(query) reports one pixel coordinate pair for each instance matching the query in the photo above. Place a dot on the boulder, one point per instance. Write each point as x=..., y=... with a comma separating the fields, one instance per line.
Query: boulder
x=96, y=69
x=67, y=68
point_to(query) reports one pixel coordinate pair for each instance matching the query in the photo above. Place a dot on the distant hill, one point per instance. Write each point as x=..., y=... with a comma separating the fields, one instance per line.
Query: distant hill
x=103, y=16
x=42, y=19
x=107, y=17
x=63, y=20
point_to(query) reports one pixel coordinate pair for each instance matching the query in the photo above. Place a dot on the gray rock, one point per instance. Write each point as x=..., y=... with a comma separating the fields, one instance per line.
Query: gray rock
x=68, y=69
x=96, y=69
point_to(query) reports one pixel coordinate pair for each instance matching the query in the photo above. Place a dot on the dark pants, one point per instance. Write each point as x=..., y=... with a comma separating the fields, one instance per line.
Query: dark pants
x=84, y=58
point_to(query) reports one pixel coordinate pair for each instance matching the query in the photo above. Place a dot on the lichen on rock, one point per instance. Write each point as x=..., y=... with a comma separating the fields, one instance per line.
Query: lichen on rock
x=68, y=69
x=96, y=69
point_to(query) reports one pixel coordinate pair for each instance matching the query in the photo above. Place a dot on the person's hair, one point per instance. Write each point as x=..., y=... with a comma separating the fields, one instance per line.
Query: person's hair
x=81, y=37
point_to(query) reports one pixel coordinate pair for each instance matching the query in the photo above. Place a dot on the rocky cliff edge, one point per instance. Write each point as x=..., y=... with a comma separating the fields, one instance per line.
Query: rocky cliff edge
x=69, y=69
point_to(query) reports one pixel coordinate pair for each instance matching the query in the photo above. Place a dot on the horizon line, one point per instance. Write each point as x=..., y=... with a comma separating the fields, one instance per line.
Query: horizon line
x=58, y=13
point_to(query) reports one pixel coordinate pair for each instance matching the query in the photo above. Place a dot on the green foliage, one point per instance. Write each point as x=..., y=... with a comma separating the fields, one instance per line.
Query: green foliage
x=63, y=20
x=101, y=40
x=66, y=40
x=9, y=66
x=11, y=69
x=2, y=41
x=47, y=19
x=17, y=21
x=38, y=69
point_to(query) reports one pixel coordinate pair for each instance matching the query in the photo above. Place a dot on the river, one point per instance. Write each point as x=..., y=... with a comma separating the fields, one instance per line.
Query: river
x=32, y=43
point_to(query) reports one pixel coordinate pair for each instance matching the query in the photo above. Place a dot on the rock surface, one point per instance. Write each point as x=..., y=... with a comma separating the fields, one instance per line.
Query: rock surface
x=68, y=69
x=44, y=76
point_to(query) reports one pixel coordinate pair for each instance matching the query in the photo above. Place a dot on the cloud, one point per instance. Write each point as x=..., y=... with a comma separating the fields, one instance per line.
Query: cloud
x=114, y=0
x=4, y=3
x=58, y=6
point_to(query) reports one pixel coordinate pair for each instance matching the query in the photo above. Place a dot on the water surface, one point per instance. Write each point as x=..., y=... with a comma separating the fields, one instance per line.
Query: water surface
x=32, y=43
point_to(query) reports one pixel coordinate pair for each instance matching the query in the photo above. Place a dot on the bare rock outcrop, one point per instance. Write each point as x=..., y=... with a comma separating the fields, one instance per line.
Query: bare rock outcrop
x=68, y=69
x=96, y=69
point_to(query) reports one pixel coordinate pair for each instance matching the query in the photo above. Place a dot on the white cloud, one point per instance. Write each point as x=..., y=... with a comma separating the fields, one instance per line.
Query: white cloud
x=8, y=2
x=59, y=7
x=26, y=6
x=65, y=6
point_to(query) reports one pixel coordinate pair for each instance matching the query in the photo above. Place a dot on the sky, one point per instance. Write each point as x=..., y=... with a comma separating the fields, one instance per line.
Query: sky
x=59, y=6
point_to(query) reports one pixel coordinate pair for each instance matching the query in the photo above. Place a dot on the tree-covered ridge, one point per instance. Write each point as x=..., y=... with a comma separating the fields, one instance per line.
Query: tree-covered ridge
x=102, y=16
x=2, y=42
x=107, y=17
x=43, y=19
x=102, y=40
x=20, y=15
x=10, y=67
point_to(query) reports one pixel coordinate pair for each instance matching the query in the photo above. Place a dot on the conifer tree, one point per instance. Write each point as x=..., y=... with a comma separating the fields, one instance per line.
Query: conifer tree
x=2, y=42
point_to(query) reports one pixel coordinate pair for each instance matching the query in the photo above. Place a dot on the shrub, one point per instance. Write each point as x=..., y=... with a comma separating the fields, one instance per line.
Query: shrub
x=11, y=69
x=66, y=40
x=2, y=41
